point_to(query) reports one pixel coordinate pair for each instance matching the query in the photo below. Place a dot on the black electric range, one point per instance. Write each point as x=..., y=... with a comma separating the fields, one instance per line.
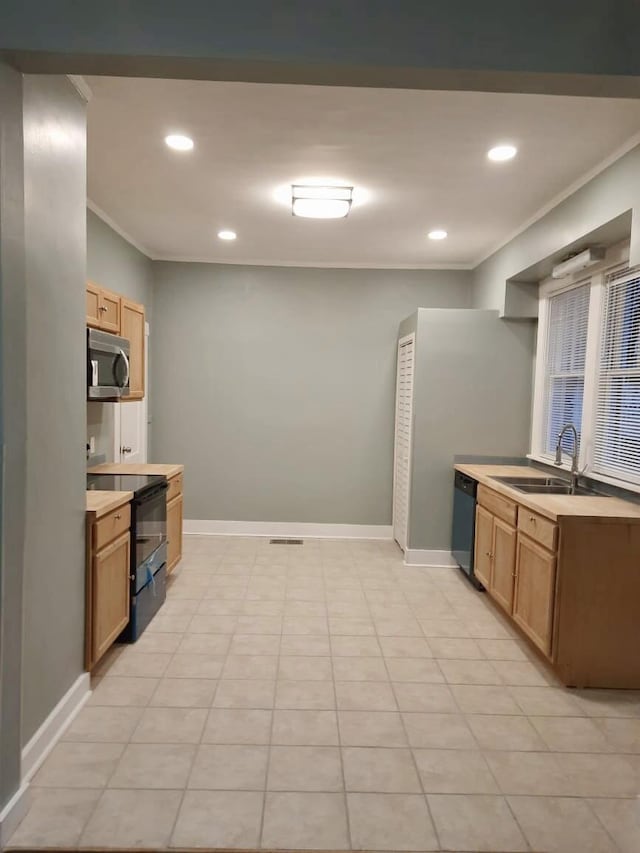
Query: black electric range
x=148, y=550
x=136, y=483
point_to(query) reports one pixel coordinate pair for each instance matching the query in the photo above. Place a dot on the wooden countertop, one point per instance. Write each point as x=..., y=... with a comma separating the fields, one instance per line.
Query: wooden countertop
x=554, y=507
x=164, y=470
x=100, y=503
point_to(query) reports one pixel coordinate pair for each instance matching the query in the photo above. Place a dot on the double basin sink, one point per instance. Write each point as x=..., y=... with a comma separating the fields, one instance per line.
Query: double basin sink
x=545, y=486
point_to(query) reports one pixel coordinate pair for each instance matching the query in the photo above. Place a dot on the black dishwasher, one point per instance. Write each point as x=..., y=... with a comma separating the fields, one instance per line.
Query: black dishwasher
x=464, y=524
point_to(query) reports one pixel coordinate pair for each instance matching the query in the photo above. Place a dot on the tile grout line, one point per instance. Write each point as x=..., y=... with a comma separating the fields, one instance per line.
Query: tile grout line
x=270, y=744
x=411, y=752
x=345, y=797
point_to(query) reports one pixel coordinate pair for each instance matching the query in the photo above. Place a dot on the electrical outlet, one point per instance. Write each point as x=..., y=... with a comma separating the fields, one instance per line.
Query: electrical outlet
x=92, y=445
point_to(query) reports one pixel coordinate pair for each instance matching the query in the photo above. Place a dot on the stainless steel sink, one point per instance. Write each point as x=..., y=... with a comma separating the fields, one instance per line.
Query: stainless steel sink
x=545, y=486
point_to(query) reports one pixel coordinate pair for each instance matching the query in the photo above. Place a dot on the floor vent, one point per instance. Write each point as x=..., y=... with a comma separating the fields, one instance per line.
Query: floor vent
x=286, y=542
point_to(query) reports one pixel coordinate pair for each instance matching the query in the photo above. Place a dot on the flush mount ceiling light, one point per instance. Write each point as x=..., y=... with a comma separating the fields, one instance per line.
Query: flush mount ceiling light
x=437, y=234
x=227, y=234
x=501, y=153
x=318, y=202
x=179, y=142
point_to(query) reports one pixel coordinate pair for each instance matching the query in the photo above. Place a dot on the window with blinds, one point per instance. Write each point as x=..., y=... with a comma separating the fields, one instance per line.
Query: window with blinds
x=617, y=418
x=568, y=320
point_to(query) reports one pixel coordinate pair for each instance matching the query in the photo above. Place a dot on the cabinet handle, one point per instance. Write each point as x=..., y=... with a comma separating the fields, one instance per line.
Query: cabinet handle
x=117, y=516
x=532, y=519
x=126, y=449
x=103, y=308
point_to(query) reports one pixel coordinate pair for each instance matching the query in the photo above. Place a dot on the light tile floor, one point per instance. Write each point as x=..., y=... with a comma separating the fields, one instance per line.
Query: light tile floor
x=326, y=696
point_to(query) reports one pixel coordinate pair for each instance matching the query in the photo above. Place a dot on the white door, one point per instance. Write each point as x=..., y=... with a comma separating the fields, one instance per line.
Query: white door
x=133, y=426
x=402, y=451
x=130, y=426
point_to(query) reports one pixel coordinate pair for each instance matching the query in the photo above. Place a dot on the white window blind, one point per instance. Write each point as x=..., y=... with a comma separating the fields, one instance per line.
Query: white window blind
x=568, y=318
x=617, y=425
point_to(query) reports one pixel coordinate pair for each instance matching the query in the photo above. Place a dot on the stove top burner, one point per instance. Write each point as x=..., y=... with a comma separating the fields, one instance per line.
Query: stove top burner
x=136, y=483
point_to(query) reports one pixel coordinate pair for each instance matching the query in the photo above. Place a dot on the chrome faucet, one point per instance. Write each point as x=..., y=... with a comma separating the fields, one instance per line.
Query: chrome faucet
x=574, y=455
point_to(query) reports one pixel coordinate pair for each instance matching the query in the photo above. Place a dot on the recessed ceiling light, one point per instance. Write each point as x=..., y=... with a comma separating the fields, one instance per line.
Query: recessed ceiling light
x=500, y=153
x=437, y=234
x=226, y=234
x=321, y=202
x=179, y=142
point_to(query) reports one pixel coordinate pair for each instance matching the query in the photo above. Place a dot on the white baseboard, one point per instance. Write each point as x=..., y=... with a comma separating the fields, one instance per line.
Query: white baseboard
x=38, y=748
x=429, y=558
x=287, y=530
x=43, y=741
x=12, y=814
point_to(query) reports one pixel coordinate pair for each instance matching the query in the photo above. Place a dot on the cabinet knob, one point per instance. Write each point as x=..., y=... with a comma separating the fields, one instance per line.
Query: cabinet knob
x=117, y=516
x=532, y=519
x=103, y=308
x=126, y=449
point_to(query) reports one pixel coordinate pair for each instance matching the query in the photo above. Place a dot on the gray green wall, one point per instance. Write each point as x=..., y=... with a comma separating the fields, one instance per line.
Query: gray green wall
x=55, y=242
x=13, y=408
x=276, y=386
x=610, y=194
x=472, y=395
x=117, y=265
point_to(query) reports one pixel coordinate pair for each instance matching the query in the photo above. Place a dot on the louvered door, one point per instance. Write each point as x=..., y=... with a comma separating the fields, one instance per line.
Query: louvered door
x=404, y=411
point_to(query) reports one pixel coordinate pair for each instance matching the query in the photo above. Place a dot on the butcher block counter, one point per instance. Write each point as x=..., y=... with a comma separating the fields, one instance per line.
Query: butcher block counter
x=101, y=503
x=566, y=570
x=551, y=506
x=163, y=470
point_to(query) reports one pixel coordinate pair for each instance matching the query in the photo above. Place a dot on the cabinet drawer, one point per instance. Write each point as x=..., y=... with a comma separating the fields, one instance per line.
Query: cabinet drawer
x=107, y=528
x=538, y=528
x=175, y=487
x=502, y=507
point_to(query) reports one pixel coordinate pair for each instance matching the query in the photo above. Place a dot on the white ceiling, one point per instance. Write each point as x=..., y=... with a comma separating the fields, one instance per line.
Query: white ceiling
x=418, y=158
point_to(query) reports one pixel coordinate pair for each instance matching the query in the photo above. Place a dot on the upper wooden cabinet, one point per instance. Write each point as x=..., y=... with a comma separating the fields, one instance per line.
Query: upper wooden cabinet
x=93, y=305
x=132, y=328
x=116, y=314
x=103, y=308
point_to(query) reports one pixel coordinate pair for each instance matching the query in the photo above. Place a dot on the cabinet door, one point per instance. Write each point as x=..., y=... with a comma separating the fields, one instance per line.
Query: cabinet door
x=535, y=591
x=110, y=311
x=174, y=532
x=483, y=544
x=132, y=328
x=94, y=315
x=110, y=593
x=504, y=563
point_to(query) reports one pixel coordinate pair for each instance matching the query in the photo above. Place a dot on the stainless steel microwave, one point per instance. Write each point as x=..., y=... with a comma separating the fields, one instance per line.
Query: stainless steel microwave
x=107, y=366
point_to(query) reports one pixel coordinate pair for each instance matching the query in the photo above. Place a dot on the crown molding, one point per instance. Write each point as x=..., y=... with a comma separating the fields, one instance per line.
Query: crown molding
x=99, y=212
x=584, y=179
x=81, y=86
x=308, y=265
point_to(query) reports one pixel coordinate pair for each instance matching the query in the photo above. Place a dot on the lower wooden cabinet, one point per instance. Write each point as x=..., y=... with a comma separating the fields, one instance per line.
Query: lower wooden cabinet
x=504, y=563
x=110, y=594
x=482, y=547
x=107, y=581
x=174, y=533
x=535, y=591
x=174, y=522
x=495, y=556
